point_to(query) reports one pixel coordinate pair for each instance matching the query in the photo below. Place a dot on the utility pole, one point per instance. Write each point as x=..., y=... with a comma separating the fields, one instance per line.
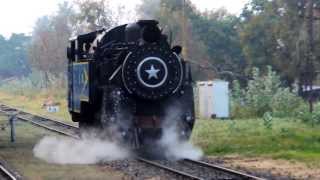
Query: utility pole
x=307, y=8
x=310, y=56
x=184, y=30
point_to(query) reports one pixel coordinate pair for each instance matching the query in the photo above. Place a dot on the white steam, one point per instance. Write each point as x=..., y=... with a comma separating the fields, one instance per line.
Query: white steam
x=175, y=147
x=61, y=150
x=149, y=10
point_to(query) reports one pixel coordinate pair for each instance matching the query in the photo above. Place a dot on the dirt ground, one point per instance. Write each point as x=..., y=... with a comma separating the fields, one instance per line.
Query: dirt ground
x=19, y=155
x=285, y=168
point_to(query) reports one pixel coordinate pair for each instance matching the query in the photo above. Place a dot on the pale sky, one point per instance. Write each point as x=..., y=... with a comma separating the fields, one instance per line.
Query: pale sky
x=19, y=16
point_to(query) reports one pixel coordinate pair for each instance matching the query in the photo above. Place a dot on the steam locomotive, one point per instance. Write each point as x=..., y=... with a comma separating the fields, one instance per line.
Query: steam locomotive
x=129, y=83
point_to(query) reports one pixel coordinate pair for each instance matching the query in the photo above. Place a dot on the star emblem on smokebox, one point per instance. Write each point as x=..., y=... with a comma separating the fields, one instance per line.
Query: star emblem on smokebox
x=152, y=72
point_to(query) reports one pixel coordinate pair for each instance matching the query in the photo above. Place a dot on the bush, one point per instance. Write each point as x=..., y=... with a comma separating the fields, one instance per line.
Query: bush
x=304, y=114
x=263, y=94
x=267, y=120
x=34, y=84
x=284, y=103
x=260, y=91
x=238, y=105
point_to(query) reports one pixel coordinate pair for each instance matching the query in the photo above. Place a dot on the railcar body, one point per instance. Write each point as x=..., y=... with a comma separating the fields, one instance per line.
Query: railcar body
x=129, y=83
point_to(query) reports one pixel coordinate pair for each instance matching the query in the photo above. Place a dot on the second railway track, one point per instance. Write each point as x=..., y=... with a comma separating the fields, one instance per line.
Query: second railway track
x=44, y=122
x=7, y=173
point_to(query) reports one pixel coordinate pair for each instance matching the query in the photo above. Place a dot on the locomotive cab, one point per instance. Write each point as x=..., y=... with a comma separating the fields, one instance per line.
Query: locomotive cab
x=130, y=84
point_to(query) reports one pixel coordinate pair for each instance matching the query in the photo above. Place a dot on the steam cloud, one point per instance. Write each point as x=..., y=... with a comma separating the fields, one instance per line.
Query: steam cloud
x=150, y=9
x=92, y=150
x=175, y=148
x=61, y=150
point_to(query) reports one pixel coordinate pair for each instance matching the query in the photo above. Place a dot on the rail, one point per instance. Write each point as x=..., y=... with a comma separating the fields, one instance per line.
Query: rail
x=6, y=174
x=218, y=171
x=44, y=122
x=223, y=169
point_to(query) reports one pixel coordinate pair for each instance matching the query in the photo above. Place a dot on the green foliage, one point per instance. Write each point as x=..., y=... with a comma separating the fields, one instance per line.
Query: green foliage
x=267, y=32
x=219, y=32
x=47, y=50
x=32, y=84
x=288, y=139
x=306, y=116
x=263, y=94
x=272, y=33
x=22, y=86
x=13, y=56
x=260, y=91
x=239, y=109
x=284, y=102
x=267, y=120
x=210, y=38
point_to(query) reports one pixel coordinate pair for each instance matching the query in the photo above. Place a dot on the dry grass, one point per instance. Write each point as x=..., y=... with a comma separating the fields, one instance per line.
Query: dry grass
x=34, y=103
x=20, y=156
x=294, y=169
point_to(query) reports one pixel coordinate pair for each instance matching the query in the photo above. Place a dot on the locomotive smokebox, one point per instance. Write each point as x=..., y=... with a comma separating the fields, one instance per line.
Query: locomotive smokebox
x=152, y=73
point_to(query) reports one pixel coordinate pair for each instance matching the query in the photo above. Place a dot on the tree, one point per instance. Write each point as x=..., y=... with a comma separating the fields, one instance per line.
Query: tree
x=171, y=17
x=212, y=37
x=13, y=56
x=95, y=14
x=47, y=51
x=271, y=33
x=218, y=30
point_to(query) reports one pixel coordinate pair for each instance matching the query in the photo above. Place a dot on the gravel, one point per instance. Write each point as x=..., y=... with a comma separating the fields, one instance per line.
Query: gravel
x=137, y=170
x=261, y=174
x=198, y=171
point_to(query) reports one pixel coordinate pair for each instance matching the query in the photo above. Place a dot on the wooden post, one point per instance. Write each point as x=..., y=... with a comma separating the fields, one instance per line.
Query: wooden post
x=310, y=56
x=12, y=119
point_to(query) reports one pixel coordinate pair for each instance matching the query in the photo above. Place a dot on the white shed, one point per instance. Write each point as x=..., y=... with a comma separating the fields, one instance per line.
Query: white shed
x=213, y=97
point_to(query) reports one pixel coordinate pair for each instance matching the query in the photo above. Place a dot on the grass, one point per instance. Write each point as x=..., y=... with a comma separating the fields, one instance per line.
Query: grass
x=288, y=139
x=33, y=103
x=19, y=155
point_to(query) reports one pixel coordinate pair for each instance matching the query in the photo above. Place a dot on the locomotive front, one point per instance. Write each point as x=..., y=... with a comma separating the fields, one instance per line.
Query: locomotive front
x=129, y=84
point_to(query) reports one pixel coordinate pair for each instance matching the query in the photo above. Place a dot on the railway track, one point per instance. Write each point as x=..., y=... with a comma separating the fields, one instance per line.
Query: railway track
x=198, y=170
x=6, y=174
x=237, y=174
x=186, y=169
x=40, y=121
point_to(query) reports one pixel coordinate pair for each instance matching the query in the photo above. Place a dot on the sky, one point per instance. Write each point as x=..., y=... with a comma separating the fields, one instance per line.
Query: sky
x=19, y=16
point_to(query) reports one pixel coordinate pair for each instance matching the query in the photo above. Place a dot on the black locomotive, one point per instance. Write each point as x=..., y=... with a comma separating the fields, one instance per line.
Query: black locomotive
x=129, y=83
